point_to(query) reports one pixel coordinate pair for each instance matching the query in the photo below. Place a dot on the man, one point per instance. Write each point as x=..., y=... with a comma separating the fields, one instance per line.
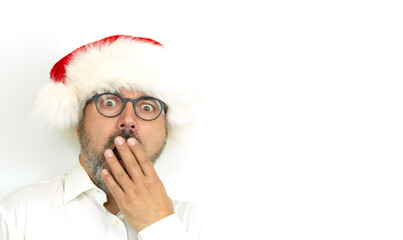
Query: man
x=121, y=93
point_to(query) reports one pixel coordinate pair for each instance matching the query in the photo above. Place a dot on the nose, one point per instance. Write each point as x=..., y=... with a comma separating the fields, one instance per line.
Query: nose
x=127, y=119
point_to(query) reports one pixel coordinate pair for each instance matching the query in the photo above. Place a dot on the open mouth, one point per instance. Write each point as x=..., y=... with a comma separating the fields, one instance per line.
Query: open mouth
x=116, y=152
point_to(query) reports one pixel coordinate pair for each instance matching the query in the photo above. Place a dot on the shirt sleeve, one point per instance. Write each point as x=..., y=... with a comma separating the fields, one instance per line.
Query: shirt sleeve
x=6, y=231
x=189, y=222
x=167, y=228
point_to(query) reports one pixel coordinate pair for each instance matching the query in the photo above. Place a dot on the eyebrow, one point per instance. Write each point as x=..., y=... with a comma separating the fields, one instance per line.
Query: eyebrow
x=117, y=93
x=121, y=95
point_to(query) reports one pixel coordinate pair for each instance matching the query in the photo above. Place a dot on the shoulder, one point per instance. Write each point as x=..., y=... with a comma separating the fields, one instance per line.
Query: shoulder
x=29, y=203
x=34, y=195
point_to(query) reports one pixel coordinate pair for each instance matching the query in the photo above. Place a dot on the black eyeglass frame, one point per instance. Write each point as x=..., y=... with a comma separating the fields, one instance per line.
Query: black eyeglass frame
x=95, y=98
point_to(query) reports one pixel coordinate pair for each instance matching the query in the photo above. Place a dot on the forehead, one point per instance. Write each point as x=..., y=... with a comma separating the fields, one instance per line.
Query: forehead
x=129, y=93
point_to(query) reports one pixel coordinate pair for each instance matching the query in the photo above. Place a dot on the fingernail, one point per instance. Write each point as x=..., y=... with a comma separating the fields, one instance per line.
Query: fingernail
x=119, y=140
x=109, y=153
x=104, y=172
x=131, y=141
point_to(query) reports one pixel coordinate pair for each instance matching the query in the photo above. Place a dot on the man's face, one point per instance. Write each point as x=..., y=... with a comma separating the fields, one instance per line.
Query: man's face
x=96, y=134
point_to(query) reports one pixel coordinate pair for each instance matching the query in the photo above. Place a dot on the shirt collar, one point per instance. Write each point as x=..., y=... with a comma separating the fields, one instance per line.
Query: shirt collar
x=77, y=182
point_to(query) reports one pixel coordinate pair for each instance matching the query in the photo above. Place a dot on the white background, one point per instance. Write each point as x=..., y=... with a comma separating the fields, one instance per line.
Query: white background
x=301, y=136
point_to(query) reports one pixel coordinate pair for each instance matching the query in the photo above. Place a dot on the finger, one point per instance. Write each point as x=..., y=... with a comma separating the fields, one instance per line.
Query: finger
x=118, y=172
x=113, y=187
x=141, y=157
x=128, y=158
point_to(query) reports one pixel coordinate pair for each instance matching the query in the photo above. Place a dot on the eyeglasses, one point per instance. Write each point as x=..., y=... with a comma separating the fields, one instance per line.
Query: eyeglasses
x=111, y=105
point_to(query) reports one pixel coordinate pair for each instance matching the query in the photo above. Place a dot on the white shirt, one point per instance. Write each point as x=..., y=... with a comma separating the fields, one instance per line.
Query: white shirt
x=70, y=206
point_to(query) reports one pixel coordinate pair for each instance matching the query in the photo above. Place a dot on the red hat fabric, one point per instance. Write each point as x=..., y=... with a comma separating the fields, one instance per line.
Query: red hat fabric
x=58, y=71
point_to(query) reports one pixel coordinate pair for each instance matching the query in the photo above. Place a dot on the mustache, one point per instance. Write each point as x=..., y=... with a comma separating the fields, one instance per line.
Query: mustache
x=124, y=133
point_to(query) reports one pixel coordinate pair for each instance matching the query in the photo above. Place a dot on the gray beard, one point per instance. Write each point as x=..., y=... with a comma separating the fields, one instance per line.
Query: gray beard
x=96, y=161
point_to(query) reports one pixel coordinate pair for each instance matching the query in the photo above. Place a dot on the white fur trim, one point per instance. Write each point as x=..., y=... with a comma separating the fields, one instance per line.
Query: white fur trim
x=124, y=64
x=57, y=106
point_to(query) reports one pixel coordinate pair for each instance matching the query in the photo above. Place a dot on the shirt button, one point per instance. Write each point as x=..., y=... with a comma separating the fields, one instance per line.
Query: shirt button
x=116, y=222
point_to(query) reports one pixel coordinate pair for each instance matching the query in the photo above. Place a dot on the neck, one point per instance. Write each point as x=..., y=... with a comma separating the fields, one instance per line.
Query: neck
x=110, y=204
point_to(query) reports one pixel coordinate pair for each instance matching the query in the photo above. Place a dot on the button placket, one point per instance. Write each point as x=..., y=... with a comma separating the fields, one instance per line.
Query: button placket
x=116, y=221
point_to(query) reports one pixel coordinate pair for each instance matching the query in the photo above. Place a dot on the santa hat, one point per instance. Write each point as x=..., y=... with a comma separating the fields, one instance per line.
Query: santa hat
x=107, y=65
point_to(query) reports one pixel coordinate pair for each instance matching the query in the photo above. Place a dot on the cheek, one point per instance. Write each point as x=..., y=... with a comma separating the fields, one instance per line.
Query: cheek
x=97, y=133
x=153, y=134
x=161, y=129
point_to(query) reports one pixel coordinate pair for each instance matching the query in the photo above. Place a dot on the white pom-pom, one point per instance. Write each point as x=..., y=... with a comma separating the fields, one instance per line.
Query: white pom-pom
x=57, y=106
